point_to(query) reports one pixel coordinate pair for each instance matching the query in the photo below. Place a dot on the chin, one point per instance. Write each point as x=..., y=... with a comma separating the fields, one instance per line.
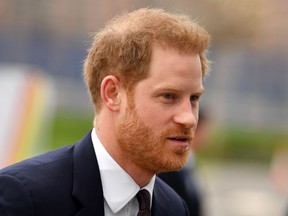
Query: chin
x=173, y=164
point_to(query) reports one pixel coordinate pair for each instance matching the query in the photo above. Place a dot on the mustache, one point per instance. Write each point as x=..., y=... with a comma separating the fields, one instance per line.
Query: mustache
x=187, y=132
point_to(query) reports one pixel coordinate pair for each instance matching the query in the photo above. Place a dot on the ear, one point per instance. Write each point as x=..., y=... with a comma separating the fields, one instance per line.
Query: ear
x=110, y=96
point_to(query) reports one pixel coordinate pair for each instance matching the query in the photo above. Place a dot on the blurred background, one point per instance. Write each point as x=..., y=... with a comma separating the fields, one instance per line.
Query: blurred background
x=242, y=164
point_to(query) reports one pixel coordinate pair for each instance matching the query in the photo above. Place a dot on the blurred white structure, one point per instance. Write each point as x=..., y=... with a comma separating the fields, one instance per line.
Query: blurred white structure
x=26, y=98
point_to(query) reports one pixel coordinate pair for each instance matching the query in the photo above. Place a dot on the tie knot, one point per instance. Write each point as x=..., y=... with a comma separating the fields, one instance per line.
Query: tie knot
x=143, y=197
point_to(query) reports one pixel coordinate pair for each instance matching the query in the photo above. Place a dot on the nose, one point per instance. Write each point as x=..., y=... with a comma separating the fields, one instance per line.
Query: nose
x=187, y=115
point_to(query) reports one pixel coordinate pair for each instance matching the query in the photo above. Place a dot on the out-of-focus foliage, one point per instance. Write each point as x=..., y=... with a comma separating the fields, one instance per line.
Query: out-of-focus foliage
x=243, y=145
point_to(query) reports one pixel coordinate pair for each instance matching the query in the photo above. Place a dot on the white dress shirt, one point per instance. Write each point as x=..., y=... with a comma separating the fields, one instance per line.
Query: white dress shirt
x=119, y=189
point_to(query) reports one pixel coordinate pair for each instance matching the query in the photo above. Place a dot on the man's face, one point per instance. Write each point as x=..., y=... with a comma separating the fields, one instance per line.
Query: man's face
x=158, y=126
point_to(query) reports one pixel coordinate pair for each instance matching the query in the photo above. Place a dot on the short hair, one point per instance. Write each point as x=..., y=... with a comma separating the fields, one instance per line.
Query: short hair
x=123, y=47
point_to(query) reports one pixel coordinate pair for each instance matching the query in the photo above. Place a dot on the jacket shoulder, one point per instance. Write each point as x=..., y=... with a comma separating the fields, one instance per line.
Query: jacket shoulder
x=29, y=185
x=48, y=159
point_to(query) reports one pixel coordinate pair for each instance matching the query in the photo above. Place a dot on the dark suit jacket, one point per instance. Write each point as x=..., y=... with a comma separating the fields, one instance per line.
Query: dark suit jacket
x=67, y=182
x=185, y=185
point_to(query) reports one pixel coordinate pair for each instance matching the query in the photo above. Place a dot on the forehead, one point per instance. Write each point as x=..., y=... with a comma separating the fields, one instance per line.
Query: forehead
x=170, y=67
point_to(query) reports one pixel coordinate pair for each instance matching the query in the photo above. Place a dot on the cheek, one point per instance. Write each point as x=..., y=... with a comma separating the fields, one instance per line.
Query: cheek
x=152, y=115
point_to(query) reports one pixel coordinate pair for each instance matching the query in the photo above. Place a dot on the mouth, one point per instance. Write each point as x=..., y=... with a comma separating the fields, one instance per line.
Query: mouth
x=183, y=141
x=180, y=139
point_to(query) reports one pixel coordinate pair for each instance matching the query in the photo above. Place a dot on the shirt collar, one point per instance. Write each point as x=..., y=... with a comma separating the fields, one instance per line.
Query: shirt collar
x=118, y=187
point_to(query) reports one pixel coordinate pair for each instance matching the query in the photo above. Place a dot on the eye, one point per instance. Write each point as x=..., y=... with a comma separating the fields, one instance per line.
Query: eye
x=194, y=98
x=169, y=96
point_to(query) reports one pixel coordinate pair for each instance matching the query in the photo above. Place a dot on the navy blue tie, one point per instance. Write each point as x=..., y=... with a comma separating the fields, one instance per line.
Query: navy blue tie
x=143, y=197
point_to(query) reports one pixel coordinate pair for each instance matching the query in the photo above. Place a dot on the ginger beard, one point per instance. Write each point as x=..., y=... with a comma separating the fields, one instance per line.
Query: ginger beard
x=150, y=149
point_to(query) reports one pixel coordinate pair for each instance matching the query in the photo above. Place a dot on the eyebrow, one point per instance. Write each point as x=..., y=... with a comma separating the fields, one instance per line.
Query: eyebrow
x=198, y=91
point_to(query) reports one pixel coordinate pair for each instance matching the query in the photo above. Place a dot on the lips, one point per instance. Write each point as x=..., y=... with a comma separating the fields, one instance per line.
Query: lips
x=180, y=138
x=180, y=144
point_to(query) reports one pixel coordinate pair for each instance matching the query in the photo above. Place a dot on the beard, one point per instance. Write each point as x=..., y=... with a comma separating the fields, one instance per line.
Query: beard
x=150, y=149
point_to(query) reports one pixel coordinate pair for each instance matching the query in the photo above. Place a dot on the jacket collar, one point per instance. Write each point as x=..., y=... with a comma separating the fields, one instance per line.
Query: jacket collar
x=87, y=186
x=159, y=207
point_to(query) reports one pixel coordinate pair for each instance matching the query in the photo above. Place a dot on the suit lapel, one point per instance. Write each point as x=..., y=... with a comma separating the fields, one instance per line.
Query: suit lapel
x=162, y=204
x=87, y=186
x=159, y=202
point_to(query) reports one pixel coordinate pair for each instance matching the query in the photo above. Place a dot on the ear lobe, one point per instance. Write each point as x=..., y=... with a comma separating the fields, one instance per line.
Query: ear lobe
x=110, y=92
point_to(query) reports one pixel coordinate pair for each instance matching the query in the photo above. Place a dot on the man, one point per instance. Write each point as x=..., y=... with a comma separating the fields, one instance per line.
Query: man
x=144, y=73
